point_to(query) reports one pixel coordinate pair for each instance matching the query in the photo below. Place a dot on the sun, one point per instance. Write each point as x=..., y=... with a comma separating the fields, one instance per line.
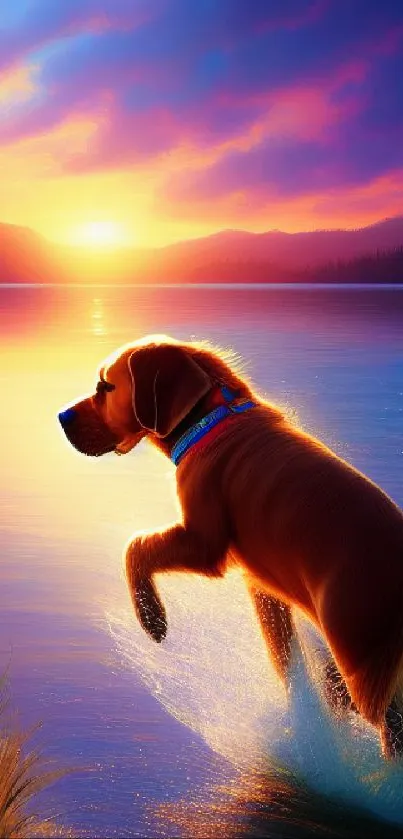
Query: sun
x=100, y=234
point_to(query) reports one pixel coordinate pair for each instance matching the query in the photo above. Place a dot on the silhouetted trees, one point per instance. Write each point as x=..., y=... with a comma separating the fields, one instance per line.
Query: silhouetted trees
x=382, y=267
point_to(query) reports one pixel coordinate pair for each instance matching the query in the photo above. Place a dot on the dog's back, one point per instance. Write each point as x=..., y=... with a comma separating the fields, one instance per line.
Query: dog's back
x=314, y=532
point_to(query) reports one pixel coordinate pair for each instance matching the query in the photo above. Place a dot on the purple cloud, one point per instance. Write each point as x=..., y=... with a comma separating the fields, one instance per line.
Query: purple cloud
x=177, y=55
x=158, y=74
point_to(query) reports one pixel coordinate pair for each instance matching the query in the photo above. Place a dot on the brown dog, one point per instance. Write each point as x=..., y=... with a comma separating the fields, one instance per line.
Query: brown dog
x=308, y=528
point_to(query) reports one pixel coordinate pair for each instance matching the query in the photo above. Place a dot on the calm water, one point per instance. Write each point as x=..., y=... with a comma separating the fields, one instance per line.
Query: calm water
x=147, y=726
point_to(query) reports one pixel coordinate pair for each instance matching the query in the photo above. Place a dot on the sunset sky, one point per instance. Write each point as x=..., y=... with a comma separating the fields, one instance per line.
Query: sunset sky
x=148, y=121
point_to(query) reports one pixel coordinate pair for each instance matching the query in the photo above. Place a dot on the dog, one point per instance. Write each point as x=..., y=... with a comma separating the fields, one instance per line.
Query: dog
x=308, y=529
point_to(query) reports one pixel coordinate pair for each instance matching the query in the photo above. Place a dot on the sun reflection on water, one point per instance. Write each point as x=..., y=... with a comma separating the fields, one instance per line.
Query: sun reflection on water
x=98, y=326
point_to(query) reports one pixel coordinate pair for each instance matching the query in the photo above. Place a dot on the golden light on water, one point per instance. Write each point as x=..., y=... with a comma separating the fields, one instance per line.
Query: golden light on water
x=54, y=484
x=98, y=317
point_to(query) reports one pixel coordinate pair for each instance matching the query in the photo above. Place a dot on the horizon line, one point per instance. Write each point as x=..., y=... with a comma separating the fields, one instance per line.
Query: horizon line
x=98, y=251
x=218, y=286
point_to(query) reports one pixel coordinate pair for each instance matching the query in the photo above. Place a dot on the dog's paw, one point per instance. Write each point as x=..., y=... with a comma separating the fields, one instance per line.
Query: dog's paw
x=150, y=610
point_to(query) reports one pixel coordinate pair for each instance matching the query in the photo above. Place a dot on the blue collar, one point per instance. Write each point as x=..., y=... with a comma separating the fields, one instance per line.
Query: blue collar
x=205, y=424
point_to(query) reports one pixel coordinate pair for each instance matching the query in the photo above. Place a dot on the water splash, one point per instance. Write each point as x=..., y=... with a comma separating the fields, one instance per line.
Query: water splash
x=212, y=674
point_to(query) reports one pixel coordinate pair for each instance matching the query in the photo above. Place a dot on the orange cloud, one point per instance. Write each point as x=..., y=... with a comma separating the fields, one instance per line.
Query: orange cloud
x=343, y=207
x=40, y=189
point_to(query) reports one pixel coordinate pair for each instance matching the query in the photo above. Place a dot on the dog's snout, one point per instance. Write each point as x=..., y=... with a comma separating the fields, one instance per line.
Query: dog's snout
x=86, y=430
x=67, y=417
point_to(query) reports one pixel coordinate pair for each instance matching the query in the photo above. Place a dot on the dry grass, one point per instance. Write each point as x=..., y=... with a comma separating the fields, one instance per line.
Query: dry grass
x=23, y=774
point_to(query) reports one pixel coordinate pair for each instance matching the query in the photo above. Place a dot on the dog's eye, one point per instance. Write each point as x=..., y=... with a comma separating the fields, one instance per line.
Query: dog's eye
x=104, y=387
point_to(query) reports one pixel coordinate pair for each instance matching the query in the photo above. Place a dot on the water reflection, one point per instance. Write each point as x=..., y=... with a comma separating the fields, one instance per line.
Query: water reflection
x=98, y=317
x=156, y=723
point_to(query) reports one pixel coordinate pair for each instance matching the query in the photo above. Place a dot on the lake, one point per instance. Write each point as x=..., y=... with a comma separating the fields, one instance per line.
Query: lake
x=153, y=728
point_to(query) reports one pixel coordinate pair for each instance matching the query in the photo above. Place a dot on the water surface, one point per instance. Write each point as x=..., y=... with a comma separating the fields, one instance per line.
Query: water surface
x=146, y=725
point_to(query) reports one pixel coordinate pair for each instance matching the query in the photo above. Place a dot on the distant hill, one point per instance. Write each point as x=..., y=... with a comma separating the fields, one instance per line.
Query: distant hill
x=288, y=250
x=373, y=253
x=26, y=257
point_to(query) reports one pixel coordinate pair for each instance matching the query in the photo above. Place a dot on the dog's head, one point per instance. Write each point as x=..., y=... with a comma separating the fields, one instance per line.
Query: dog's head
x=147, y=387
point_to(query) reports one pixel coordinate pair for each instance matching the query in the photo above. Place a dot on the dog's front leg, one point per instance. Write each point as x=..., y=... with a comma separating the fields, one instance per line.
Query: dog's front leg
x=175, y=549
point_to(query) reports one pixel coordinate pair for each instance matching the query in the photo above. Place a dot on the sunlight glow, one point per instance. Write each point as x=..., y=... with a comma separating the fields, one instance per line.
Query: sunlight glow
x=100, y=234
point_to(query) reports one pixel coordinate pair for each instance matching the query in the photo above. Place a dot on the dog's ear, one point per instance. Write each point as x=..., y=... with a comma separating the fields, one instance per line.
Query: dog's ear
x=166, y=384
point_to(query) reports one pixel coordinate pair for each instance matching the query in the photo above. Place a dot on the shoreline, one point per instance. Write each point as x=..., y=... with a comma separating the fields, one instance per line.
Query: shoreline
x=218, y=286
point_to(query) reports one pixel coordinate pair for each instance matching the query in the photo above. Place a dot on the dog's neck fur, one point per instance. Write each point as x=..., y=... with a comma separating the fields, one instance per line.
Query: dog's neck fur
x=207, y=403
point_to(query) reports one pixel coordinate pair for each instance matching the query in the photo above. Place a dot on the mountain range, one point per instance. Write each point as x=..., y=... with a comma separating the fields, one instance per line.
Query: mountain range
x=227, y=256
